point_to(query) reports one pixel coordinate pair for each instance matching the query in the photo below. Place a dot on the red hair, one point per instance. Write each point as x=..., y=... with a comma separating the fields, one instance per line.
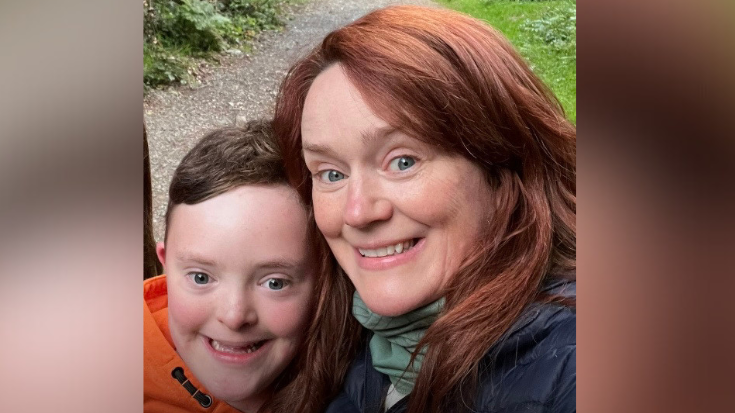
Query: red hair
x=455, y=83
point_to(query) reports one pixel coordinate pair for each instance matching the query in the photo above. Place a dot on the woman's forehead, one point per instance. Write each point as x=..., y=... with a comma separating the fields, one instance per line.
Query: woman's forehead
x=333, y=104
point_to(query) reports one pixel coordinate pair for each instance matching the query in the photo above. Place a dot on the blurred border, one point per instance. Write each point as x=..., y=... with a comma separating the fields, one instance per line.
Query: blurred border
x=655, y=181
x=71, y=203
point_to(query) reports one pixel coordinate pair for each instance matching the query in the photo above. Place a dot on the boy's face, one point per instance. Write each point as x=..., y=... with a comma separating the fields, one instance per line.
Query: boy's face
x=239, y=276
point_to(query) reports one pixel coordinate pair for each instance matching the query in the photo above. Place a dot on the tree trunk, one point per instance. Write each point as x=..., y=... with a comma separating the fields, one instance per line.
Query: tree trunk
x=151, y=265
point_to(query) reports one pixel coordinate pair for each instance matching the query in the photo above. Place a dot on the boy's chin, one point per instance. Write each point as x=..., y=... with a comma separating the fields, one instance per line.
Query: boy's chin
x=249, y=402
x=244, y=392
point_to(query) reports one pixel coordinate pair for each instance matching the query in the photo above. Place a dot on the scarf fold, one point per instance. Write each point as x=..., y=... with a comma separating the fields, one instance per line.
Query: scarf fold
x=395, y=338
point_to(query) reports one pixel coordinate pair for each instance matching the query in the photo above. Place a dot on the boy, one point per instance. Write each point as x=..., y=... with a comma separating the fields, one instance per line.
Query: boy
x=228, y=316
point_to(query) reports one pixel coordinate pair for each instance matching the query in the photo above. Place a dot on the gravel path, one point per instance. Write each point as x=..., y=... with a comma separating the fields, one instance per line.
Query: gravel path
x=242, y=89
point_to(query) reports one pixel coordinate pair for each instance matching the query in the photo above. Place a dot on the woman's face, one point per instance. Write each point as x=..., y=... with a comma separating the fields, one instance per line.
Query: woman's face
x=399, y=215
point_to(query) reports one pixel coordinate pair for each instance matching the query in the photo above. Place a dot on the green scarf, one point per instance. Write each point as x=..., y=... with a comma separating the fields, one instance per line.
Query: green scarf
x=395, y=338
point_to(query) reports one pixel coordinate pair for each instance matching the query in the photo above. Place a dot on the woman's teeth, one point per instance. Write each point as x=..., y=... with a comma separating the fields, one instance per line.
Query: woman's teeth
x=399, y=248
x=236, y=350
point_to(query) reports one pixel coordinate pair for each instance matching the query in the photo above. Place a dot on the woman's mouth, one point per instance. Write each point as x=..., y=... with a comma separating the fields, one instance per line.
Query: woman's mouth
x=390, y=250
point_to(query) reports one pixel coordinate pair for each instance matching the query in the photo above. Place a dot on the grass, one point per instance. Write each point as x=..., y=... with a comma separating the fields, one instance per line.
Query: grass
x=544, y=34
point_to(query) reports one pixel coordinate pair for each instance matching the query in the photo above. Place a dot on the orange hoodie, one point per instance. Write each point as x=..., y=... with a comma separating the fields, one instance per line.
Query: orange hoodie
x=168, y=386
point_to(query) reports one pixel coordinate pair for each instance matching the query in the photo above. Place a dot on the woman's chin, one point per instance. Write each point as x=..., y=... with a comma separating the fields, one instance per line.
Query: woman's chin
x=391, y=306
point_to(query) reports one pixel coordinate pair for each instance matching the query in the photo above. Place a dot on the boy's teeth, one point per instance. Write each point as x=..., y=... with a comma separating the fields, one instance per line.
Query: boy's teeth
x=399, y=248
x=227, y=349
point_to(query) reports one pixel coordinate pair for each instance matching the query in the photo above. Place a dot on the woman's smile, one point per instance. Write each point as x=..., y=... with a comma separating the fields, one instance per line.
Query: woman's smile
x=390, y=249
x=391, y=256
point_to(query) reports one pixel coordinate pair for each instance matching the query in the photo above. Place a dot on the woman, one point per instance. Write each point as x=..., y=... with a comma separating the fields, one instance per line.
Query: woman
x=442, y=176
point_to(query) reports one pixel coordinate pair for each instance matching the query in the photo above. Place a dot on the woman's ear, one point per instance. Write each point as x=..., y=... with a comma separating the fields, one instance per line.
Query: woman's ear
x=161, y=253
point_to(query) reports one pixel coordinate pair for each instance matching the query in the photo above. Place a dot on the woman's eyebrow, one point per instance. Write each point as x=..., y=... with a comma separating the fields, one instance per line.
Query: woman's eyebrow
x=372, y=135
x=367, y=138
x=319, y=149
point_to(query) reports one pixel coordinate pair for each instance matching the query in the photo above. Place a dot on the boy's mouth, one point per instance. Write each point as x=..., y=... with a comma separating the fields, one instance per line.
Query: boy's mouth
x=246, y=349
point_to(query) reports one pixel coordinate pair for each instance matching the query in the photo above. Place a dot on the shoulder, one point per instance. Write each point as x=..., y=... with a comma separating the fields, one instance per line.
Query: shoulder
x=533, y=367
x=342, y=404
x=154, y=289
x=351, y=398
x=363, y=386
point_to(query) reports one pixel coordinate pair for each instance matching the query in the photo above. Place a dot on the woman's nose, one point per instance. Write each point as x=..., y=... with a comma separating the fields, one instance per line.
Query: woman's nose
x=237, y=311
x=367, y=203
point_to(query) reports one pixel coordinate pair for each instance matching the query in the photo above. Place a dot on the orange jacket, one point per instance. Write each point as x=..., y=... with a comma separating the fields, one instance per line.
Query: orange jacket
x=164, y=371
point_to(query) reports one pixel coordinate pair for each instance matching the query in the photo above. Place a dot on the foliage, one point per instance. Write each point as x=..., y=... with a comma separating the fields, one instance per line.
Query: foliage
x=262, y=14
x=519, y=1
x=195, y=23
x=163, y=67
x=178, y=32
x=544, y=32
x=558, y=29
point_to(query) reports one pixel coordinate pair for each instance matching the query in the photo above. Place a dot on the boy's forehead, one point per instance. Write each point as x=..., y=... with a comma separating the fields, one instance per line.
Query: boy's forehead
x=257, y=196
x=267, y=222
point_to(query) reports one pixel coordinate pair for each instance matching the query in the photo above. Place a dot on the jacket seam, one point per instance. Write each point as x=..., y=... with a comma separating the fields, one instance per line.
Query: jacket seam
x=516, y=405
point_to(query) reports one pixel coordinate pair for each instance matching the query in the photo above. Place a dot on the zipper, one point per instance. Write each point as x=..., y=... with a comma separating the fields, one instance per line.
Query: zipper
x=204, y=400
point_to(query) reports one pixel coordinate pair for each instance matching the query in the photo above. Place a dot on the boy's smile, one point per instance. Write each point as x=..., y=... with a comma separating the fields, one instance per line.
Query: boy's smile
x=239, y=289
x=235, y=348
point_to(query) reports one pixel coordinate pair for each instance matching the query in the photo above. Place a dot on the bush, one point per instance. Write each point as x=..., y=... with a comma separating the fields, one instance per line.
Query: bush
x=195, y=24
x=558, y=29
x=164, y=67
x=263, y=14
x=177, y=31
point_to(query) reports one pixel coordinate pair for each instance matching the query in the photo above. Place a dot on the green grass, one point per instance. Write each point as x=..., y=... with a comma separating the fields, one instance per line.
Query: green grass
x=543, y=33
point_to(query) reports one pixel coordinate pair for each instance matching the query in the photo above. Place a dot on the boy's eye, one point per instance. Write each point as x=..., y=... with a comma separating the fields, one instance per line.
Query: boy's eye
x=402, y=163
x=200, y=278
x=276, y=284
x=331, y=175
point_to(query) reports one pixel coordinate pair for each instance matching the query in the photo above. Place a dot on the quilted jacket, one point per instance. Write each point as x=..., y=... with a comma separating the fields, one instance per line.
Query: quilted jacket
x=531, y=369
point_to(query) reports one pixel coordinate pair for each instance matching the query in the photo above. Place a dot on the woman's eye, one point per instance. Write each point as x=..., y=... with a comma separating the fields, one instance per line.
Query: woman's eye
x=276, y=284
x=200, y=278
x=402, y=163
x=331, y=176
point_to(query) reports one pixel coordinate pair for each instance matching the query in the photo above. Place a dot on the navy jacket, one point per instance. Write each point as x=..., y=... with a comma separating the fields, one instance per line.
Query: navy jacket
x=534, y=370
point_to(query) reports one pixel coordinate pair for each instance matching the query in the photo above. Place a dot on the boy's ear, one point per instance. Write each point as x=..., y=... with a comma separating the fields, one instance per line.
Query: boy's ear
x=161, y=253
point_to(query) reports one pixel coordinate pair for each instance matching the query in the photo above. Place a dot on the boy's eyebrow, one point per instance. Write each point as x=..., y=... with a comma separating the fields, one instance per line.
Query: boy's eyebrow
x=191, y=257
x=280, y=264
x=275, y=264
x=295, y=269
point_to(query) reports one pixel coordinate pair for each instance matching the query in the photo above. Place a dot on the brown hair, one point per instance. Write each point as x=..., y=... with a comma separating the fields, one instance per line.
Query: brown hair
x=456, y=83
x=224, y=159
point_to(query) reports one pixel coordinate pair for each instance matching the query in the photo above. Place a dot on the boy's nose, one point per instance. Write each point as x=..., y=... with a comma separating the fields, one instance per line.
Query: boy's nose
x=237, y=312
